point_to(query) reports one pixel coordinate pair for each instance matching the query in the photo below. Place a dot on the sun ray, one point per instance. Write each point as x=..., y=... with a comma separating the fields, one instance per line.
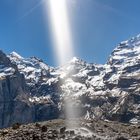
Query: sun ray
x=63, y=44
x=60, y=29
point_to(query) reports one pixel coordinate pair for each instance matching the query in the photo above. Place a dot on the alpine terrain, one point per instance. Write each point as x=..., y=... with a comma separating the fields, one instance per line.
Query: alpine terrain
x=32, y=91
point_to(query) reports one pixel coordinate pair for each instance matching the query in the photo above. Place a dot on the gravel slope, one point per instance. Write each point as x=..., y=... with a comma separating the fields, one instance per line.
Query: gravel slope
x=56, y=130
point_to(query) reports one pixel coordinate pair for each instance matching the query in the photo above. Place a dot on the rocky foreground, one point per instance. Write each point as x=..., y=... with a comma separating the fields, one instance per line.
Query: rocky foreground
x=87, y=130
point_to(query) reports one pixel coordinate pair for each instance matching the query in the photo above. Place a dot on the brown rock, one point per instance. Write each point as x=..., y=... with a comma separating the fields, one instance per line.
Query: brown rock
x=44, y=128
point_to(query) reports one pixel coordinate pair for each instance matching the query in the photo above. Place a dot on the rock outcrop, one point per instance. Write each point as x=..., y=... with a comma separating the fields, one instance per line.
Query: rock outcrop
x=15, y=104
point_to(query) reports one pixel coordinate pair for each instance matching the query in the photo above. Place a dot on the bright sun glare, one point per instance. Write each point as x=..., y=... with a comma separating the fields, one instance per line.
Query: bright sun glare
x=60, y=29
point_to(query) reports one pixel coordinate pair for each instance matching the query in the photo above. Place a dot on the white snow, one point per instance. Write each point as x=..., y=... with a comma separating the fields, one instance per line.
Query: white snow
x=40, y=99
x=16, y=55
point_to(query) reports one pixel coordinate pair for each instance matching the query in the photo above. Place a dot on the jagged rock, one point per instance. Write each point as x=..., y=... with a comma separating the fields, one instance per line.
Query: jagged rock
x=16, y=125
x=62, y=130
x=72, y=132
x=44, y=128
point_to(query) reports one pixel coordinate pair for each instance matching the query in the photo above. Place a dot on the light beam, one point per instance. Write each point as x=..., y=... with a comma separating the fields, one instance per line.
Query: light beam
x=63, y=45
x=60, y=29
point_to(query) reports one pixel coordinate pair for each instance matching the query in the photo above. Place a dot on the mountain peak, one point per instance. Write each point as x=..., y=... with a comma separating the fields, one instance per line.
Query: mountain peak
x=4, y=60
x=16, y=55
x=130, y=43
x=76, y=60
x=126, y=51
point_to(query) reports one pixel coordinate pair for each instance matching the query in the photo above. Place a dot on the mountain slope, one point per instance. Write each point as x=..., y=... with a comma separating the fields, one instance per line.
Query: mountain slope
x=109, y=91
x=16, y=101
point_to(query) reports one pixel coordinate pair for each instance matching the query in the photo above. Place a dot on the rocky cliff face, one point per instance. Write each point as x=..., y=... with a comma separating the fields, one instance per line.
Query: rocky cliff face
x=12, y=86
x=31, y=91
x=15, y=101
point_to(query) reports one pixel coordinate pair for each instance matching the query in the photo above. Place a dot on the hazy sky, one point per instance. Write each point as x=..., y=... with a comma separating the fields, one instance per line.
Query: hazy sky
x=97, y=27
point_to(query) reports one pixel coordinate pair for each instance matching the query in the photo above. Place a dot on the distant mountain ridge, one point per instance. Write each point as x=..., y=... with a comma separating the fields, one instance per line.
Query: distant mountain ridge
x=30, y=90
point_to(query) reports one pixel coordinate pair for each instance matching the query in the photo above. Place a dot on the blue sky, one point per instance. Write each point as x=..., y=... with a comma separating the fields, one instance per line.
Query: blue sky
x=97, y=27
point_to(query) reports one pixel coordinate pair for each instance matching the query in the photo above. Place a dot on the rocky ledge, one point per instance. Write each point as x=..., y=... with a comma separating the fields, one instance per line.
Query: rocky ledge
x=57, y=130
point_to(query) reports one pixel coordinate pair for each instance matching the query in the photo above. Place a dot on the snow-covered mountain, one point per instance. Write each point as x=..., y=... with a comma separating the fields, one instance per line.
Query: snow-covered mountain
x=34, y=91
